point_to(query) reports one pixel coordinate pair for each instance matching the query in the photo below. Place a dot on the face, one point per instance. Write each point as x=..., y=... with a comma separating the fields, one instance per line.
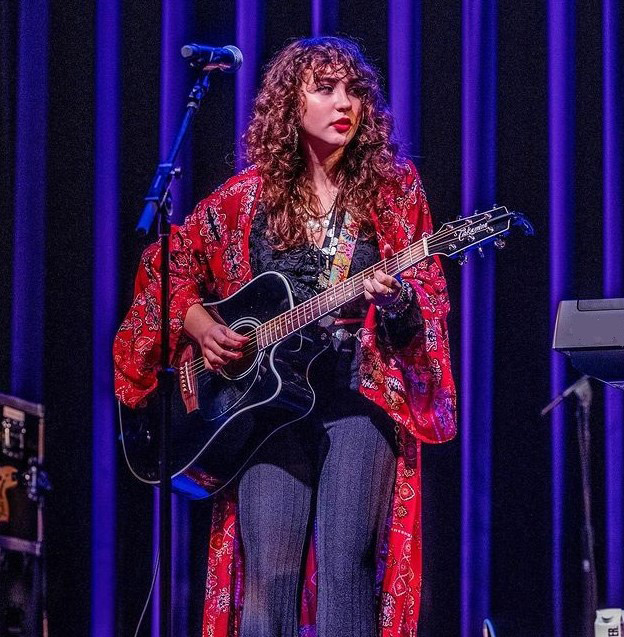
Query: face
x=331, y=112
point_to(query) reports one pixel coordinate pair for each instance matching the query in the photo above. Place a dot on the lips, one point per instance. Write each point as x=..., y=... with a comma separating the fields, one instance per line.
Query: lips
x=342, y=125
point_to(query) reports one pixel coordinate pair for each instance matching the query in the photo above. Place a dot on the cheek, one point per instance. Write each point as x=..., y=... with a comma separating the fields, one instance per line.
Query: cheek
x=357, y=110
x=311, y=114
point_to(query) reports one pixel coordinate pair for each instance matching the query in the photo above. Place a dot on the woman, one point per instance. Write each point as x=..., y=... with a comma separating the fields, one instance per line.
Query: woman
x=321, y=534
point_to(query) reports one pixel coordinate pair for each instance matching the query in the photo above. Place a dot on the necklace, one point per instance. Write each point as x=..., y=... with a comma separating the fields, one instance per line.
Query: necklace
x=330, y=249
x=318, y=224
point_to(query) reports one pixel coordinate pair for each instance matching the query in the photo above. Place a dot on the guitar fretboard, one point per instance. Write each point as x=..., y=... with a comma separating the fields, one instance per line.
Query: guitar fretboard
x=334, y=297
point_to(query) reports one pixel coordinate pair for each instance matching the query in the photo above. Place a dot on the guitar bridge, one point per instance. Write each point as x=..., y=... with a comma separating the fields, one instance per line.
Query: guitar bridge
x=185, y=380
x=188, y=380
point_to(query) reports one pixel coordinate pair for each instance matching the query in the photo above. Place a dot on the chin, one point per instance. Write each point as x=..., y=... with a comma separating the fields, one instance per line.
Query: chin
x=332, y=142
x=339, y=140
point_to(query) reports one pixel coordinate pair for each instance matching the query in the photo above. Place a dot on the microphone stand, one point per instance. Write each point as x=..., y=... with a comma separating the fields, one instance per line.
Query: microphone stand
x=583, y=391
x=159, y=204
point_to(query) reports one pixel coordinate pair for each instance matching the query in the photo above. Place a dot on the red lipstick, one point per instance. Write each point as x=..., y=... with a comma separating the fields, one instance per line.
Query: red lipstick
x=342, y=125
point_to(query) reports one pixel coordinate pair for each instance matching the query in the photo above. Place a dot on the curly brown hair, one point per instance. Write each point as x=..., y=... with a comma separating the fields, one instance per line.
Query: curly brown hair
x=370, y=160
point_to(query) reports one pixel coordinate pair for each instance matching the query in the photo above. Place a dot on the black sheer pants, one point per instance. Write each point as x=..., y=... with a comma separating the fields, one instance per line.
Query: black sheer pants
x=336, y=468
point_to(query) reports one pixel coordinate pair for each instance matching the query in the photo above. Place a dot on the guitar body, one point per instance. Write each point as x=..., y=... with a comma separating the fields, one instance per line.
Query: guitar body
x=220, y=419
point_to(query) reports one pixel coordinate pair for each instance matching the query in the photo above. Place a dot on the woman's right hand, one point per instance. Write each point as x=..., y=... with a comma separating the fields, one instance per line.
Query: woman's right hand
x=219, y=344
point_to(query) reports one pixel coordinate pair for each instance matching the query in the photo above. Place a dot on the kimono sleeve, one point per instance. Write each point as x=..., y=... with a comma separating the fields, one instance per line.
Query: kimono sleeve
x=425, y=360
x=137, y=345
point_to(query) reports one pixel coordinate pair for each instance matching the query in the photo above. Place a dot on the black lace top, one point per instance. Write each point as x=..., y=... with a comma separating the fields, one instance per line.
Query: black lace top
x=303, y=265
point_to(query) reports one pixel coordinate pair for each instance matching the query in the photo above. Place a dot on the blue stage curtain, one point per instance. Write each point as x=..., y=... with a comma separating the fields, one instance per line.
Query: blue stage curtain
x=561, y=60
x=324, y=17
x=613, y=271
x=27, y=328
x=404, y=70
x=8, y=74
x=105, y=300
x=249, y=38
x=477, y=311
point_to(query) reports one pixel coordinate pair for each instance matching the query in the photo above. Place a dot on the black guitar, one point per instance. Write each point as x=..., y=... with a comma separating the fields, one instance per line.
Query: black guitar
x=220, y=419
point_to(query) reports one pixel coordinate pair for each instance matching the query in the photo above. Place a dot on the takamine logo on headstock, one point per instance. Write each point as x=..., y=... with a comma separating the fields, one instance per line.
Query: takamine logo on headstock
x=455, y=238
x=471, y=231
x=7, y=481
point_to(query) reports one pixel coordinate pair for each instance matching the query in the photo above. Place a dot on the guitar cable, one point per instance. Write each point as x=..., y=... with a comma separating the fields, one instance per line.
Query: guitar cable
x=149, y=594
x=123, y=444
x=157, y=564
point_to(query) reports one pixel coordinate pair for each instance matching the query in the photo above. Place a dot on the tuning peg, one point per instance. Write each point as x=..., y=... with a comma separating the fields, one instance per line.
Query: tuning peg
x=463, y=258
x=499, y=243
x=458, y=218
x=480, y=251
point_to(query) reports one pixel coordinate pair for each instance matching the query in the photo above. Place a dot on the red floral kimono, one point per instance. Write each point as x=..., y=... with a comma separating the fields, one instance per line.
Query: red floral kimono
x=413, y=385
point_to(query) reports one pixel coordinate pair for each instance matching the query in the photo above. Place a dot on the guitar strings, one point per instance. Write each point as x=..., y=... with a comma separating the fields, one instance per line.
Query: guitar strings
x=197, y=366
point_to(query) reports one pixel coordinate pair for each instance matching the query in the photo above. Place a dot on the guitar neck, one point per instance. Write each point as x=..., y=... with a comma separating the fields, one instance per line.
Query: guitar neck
x=334, y=297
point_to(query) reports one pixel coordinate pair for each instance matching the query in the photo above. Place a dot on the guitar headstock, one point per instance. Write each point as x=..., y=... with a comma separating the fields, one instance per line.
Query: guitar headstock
x=455, y=238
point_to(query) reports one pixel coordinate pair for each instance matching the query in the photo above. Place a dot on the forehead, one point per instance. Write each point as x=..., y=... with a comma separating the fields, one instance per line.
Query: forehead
x=334, y=72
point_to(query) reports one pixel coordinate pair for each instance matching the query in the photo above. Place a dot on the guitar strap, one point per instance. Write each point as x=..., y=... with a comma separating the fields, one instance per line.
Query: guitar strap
x=344, y=250
x=339, y=268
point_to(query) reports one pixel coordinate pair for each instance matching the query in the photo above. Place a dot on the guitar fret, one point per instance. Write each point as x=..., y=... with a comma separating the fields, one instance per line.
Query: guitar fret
x=343, y=294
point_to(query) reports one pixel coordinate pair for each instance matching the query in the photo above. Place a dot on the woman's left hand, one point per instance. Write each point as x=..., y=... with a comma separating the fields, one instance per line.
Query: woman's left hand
x=382, y=289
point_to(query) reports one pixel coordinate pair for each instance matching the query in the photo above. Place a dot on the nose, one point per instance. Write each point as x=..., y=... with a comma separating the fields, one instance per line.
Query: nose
x=343, y=100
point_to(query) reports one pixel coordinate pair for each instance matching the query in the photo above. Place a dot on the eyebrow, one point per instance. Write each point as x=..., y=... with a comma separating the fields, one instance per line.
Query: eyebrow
x=334, y=79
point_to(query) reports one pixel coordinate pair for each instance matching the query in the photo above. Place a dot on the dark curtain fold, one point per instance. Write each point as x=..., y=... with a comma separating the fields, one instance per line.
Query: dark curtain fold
x=613, y=284
x=479, y=153
x=8, y=76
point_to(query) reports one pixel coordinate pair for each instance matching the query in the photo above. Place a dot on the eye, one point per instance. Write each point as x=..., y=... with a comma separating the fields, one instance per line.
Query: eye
x=325, y=88
x=357, y=90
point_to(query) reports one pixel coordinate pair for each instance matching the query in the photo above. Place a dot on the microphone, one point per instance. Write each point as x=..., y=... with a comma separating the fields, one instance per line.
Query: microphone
x=227, y=58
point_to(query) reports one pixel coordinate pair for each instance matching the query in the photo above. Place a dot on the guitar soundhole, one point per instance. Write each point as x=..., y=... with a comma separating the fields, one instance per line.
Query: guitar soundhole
x=238, y=368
